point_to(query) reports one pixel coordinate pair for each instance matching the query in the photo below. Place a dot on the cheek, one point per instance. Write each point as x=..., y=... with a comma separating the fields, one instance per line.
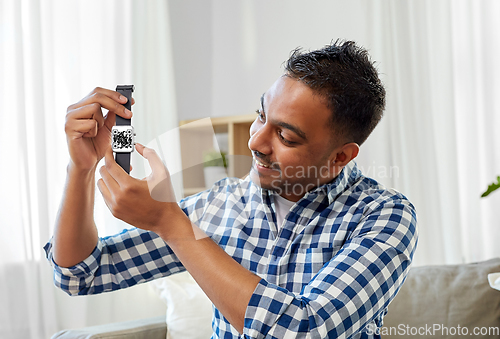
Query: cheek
x=296, y=162
x=291, y=158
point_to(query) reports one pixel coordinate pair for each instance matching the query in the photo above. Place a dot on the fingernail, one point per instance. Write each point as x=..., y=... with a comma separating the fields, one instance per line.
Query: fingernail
x=128, y=112
x=123, y=98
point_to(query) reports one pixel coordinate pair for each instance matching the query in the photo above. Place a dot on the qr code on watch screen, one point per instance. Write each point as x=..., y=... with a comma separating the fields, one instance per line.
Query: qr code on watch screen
x=122, y=139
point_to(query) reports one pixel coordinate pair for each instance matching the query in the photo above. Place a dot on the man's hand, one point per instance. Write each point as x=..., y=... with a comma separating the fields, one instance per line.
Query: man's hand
x=88, y=132
x=149, y=203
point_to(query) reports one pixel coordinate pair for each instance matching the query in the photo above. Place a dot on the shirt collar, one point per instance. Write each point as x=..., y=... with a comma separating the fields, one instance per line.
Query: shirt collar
x=336, y=187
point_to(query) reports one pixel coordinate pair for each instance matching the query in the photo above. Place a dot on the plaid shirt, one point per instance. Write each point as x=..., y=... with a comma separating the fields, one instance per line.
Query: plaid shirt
x=329, y=271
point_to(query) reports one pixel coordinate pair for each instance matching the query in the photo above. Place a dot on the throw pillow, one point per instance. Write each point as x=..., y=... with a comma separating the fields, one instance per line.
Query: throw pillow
x=189, y=311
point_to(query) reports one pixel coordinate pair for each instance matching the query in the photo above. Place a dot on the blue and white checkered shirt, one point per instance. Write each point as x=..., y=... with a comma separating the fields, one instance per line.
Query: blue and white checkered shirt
x=329, y=271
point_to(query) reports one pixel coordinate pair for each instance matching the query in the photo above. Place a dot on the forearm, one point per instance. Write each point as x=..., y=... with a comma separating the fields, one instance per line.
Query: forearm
x=75, y=234
x=88, y=134
x=228, y=284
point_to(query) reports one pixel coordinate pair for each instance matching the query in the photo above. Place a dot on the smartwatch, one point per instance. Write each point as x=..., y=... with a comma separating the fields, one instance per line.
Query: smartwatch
x=122, y=134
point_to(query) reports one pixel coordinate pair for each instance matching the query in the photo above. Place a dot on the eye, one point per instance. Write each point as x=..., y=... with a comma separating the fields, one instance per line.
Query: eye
x=262, y=118
x=284, y=140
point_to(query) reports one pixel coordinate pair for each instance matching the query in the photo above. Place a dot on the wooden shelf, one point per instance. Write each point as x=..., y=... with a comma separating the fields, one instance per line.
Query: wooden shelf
x=192, y=190
x=200, y=136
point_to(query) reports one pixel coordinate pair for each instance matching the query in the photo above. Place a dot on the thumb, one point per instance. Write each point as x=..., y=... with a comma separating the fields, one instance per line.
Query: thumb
x=157, y=166
x=159, y=184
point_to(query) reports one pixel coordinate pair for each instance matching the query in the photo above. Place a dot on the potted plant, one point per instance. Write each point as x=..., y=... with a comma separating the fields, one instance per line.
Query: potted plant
x=492, y=187
x=214, y=166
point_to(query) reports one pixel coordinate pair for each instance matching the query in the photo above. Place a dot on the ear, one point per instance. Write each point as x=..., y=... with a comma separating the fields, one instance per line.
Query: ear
x=342, y=156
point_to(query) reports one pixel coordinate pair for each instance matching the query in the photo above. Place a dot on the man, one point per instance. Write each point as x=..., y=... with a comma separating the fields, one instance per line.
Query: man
x=305, y=246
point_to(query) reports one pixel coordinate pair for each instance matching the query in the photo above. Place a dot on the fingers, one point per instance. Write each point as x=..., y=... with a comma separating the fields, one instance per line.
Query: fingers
x=157, y=166
x=91, y=106
x=111, y=183
x=109, y=120
x=83, y=127
x=85, y=121
x=108, y=99
x=92, y=111
x=111, y=104
x=140, y=148
x=159, y=183
x=93, y=130
x=114, y=170
x=106, y=194
x=107, y=184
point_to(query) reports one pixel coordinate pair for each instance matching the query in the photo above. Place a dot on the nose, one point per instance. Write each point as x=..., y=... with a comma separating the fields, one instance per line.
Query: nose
x=260, y=138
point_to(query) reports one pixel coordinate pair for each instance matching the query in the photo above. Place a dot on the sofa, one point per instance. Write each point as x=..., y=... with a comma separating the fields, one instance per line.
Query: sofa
x=443, y=301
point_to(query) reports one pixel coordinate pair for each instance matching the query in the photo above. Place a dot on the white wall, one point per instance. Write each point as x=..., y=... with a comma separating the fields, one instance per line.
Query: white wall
x=227, y=53
x=436, y=141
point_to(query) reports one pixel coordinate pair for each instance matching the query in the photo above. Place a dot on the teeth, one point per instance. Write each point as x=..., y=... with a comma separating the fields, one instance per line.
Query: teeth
x=261, y=164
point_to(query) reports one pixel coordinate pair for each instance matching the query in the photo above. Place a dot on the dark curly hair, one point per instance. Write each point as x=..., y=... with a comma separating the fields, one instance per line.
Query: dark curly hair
x=343, y=74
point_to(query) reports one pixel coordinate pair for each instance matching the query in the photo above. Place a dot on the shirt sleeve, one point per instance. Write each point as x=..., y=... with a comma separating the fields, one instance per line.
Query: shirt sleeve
x=351, y=291
x=126, y=259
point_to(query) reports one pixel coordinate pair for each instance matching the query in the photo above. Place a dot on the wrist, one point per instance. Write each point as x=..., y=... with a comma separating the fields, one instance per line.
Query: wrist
x=175, y=226
x=83, y=174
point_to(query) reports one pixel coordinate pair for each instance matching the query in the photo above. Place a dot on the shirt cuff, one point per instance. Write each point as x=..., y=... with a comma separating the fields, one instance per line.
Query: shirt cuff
x=83, y=269
x=267, y=304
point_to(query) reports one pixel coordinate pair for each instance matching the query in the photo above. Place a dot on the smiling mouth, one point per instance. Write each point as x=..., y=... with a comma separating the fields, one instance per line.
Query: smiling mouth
x=273, y=166
x=261, y=164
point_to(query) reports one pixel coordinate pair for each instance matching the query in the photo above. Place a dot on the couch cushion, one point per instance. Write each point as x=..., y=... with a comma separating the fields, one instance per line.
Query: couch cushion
x=150, y=328
x=434, y=298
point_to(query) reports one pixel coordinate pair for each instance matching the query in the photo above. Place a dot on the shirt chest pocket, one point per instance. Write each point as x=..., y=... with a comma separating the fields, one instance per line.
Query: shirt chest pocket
x=304, y=264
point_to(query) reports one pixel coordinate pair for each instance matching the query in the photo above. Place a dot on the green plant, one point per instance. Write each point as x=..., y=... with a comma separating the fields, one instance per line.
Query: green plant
x=492, y=187
x=214, y=158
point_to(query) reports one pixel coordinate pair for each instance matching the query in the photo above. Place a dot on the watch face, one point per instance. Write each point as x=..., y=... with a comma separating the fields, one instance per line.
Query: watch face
x=122, y=139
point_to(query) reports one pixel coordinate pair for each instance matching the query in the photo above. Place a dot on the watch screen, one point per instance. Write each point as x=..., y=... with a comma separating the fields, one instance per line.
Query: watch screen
x=122, y=139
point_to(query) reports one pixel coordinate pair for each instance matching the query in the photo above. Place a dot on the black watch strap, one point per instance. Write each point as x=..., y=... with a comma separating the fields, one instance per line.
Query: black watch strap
x=123, y=159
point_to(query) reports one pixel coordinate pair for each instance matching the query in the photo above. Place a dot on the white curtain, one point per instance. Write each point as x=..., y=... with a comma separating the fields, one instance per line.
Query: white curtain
x=440, y=134
x=52, y=53
x=437, y=143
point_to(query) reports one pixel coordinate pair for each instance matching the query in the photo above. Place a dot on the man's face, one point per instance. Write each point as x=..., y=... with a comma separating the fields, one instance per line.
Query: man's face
x=291, y=140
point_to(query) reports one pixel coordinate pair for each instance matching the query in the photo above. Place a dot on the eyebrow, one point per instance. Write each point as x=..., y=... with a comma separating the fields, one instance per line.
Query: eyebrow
x=283, y=124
